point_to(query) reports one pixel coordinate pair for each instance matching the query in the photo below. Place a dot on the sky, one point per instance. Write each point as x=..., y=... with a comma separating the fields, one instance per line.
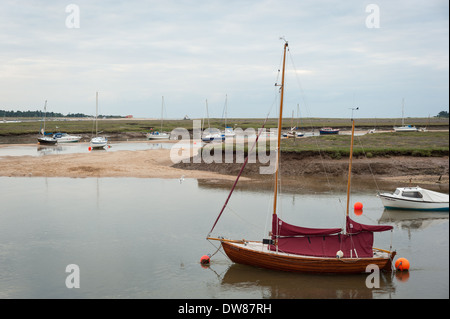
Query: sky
x=207, y=54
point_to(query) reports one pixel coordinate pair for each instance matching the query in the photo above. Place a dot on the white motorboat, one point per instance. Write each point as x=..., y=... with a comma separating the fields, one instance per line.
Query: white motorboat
x=415, y=198
x=213, y=137
x=66, y=138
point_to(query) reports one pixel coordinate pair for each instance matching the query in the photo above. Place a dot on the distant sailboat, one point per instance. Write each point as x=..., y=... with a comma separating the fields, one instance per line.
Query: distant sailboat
x=404, y=128
x=44, y=139
x=299, y=249
x=97, y=142
x=228, y=132
x=159, y=135
x=211, y=135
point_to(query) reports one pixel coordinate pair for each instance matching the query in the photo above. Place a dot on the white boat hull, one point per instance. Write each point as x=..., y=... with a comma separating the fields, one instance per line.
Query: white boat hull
x=161, y=136
x=68, y=139
x=405, y=129
x=423, y=199
x=98, y=142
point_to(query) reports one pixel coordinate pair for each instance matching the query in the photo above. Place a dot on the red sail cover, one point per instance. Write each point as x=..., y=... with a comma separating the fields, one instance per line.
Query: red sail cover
x=324, y=242
x=281, y=228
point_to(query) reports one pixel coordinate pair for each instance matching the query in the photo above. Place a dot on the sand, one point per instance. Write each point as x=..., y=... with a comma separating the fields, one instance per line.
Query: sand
x=157, y=163
x=145, y=163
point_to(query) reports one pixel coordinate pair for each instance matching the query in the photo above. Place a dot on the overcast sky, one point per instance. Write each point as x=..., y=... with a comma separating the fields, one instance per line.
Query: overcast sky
x=134, y=52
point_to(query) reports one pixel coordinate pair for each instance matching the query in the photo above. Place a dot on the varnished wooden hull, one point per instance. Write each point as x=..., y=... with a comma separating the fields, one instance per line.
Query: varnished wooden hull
x=238, y=253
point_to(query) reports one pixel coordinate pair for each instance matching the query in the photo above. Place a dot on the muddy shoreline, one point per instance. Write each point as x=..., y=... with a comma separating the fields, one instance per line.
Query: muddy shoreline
x=296, y=168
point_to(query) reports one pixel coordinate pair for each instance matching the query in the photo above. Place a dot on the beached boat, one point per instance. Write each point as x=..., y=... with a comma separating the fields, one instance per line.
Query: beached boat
x=415, y=198
x=328, y=130
x=299, y=249
x=66, y=138
x=211, y=136
x=155, y=135
x=97, y=142
x=228, y=132
x=46, y=138
x=404, y=128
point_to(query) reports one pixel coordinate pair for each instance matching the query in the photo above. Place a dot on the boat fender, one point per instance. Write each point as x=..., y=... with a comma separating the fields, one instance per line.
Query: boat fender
x=339, y=254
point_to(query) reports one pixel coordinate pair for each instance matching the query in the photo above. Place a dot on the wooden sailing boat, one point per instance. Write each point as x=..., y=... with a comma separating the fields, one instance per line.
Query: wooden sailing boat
x=299, y=249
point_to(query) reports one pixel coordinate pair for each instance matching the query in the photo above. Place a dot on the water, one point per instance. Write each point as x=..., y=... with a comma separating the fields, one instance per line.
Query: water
x=143, y=238
x=71, y=148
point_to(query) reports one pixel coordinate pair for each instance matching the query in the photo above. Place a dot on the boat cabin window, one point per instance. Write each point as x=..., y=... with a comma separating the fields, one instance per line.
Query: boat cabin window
x=412, y=194
x=397, y=192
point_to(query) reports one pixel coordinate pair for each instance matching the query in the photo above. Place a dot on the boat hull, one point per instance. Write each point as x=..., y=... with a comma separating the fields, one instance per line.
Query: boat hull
x=391, y=202
x=98, y=143
x=47, y=141
x=162, y=136
x=328, y=131
x=405, y=129
x=260, y=256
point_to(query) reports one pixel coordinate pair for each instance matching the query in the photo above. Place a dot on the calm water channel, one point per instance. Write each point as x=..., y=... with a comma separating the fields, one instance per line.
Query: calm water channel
x=143, y=238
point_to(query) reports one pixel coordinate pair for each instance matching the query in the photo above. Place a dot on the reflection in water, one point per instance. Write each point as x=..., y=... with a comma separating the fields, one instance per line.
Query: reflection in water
x=143, y=238
x=283, y=285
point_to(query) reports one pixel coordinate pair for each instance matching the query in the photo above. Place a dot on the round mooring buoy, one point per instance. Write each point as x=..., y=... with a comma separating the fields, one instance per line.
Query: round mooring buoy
x=358, y=206
x=205, y=259
x=402, y=264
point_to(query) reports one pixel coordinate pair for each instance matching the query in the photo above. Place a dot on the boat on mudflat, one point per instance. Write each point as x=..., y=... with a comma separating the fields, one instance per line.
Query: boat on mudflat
x=415, y=198
x=328, y=130
x=66, y=138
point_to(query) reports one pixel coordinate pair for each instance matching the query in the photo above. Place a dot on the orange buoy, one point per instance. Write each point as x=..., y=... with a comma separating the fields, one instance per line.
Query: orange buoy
x=358, y=206
x=89, y=148
x=402, y=264
x=205, y=259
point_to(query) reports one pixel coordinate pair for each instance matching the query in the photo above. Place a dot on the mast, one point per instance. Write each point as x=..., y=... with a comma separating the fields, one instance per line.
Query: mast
x=96, y=113
x=45, y=115
x=350, y=166
x=403, y=111
x=279, y=131
x=162, y=110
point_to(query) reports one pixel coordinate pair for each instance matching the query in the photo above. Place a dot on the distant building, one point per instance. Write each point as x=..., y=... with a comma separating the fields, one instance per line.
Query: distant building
x=129, y=116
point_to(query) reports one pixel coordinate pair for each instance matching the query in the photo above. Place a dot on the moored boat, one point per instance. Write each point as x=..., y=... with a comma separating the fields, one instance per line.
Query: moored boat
x=415, y=198
x=313, y=250
x=328, y=130
x=66, y=138
x=97, y=142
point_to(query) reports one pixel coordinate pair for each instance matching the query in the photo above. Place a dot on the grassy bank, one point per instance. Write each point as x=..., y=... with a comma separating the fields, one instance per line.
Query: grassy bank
x=419, y=144
x=370, y=145
x=142, y=125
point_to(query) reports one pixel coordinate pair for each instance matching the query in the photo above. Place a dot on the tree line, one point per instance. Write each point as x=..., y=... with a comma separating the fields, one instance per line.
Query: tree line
x=40, y=114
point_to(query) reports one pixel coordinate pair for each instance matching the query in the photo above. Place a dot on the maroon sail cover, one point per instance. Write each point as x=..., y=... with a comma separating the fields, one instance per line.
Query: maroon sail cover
x=281, y=228
x=355, y=228
x=325, y=242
